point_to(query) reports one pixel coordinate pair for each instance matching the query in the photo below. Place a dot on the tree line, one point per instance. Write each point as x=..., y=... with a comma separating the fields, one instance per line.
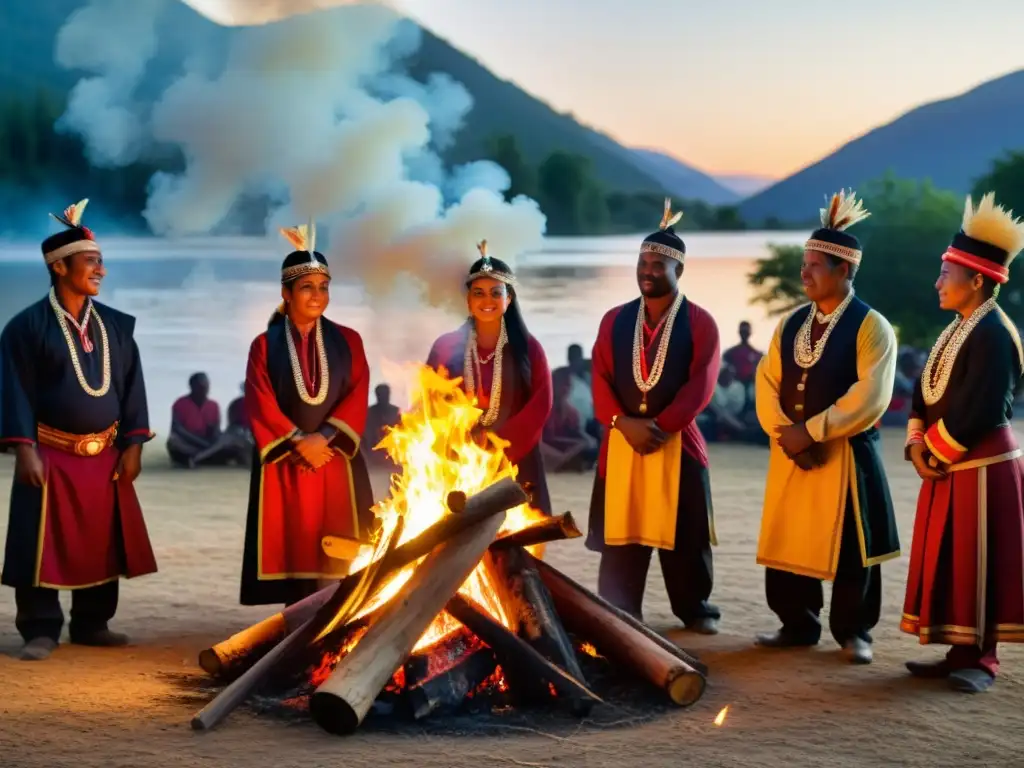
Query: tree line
x=910, y=226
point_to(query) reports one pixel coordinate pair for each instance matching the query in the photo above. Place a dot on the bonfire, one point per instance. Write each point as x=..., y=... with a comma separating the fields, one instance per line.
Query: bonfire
x=452, y=598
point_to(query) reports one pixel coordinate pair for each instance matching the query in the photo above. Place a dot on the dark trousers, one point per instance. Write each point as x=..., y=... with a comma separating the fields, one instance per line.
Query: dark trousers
x=688, y=573
x=40, y=615
x=856, y=595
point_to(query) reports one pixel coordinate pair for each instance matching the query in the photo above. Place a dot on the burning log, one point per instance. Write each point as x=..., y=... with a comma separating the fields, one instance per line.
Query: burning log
x=229, y=658
x=554, y=528
x=589, y=616
x=342, y=701
x=514, y=652
x=449, y=688
x=549, y=574
x=544, y=626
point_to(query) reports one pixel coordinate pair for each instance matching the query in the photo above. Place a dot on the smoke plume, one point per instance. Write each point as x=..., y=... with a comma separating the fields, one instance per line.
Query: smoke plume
x=312, y=112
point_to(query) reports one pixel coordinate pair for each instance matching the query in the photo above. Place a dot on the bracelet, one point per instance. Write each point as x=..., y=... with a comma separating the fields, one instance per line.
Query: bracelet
x=915, y=437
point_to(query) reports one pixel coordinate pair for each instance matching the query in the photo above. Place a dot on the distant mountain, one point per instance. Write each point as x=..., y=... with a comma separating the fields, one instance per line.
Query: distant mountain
x=744, y=185
x=500, y=107
x=952, y=142
x=682, y=180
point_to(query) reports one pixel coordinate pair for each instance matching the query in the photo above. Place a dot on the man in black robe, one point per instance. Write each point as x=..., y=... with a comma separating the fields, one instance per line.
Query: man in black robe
x=73, y=409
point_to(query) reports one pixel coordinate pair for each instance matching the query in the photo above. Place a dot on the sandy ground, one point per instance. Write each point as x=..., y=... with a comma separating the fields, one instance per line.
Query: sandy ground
x=129, y=707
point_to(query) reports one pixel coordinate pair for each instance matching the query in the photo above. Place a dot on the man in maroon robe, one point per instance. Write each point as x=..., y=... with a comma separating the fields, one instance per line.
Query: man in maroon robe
x=655, y=365
x=73, y=408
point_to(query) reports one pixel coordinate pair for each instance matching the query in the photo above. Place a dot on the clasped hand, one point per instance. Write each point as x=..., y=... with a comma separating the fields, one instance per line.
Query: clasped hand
x=643, y=435
x=796, y=442
x=314, y=451
x=919, y=457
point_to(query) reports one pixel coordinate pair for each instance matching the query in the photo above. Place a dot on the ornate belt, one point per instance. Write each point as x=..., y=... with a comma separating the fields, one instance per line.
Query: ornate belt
x=80, y=445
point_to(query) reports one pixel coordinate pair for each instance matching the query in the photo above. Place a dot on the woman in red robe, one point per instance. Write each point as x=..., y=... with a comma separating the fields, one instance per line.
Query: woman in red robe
x=505, y=367
x=306, y=393
x=965, y=585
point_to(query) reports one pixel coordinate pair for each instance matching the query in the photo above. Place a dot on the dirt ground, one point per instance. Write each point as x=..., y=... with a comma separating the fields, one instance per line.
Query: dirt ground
x=131, y=707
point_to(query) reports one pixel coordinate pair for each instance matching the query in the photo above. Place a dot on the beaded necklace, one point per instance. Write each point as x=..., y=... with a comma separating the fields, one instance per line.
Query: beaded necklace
x=62, y=317
x=804, y=353
x=471, y=372
x=646, y=381
x=321, y=352
x=936, y=373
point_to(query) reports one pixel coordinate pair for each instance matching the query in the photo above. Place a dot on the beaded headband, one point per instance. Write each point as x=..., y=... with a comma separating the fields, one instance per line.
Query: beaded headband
x=487, y=269
x=842, y=213
x=72, y=219
x=303, y=238
x=668, y=219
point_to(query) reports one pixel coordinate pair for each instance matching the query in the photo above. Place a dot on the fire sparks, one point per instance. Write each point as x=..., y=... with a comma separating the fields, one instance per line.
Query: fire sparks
x=439, y=452
x=720, y=717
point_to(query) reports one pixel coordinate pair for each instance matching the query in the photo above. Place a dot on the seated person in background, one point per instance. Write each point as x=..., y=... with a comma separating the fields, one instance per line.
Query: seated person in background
x=581, y=395
x=728, y=417
x=379, y=417
x=238, y=425
x=565, y=445
x=195, y=437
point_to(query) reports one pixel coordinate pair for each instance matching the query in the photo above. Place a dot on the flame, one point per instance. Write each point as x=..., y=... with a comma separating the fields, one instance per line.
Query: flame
x=590, y=650
x=439, y=452
x=720, y=717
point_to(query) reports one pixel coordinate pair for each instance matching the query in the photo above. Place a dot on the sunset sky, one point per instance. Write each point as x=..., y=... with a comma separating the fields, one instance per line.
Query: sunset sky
x=734, y=86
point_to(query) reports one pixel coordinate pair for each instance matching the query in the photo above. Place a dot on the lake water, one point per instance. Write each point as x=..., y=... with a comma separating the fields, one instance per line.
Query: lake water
x=200, y=302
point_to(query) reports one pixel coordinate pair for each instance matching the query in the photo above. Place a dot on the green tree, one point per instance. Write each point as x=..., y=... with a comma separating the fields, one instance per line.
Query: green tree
x=505, y=151
x=1006, y=179
x=569, y=194
x=910, y=226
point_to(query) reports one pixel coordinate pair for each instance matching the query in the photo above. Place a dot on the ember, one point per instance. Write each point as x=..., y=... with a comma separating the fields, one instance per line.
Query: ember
x=451, y=602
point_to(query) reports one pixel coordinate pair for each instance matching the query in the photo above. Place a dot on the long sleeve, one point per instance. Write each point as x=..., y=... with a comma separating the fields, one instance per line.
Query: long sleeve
x=865, y=402
x=17, y=388
x=344, y=427
x=525, y=428
x=602, y=374
x=134, y=426
x=695, y=395
x=767, y=386
x=979, y=401
x=271, y=429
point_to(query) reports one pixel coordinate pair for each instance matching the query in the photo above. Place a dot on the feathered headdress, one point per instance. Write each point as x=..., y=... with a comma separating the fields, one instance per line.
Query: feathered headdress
x=485, y=266
x=668, y=219
x=74, y=239
x=843, y=211
x=989, y=239
x=304, y=259
x=665, y=241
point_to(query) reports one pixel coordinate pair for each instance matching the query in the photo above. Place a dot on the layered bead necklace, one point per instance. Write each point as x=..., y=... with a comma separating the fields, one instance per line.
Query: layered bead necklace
x=648, y=380
x=63, y=317
x=935, y=376
x=806, y=354
x=321, y=353
x=472, y=364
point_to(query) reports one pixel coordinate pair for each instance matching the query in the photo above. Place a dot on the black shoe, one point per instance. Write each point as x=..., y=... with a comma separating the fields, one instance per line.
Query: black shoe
x=100, y=638
x=37, y=649
x=707, y=625
x=783, y=639
x=858, y=651
x=929, y=670
x=971, y=680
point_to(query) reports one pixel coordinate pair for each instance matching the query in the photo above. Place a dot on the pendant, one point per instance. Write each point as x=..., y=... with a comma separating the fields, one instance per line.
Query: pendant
x=643, y=405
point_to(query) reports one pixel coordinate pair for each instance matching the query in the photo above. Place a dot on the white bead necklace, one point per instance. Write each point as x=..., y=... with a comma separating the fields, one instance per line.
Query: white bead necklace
x=300, y=381
x=471, y=364
x=639, y=349
x=804, y=353
x=936, y=373
x=75, y=362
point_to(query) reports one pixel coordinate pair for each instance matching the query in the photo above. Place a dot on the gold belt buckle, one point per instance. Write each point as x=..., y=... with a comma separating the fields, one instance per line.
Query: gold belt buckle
x=90, y=446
